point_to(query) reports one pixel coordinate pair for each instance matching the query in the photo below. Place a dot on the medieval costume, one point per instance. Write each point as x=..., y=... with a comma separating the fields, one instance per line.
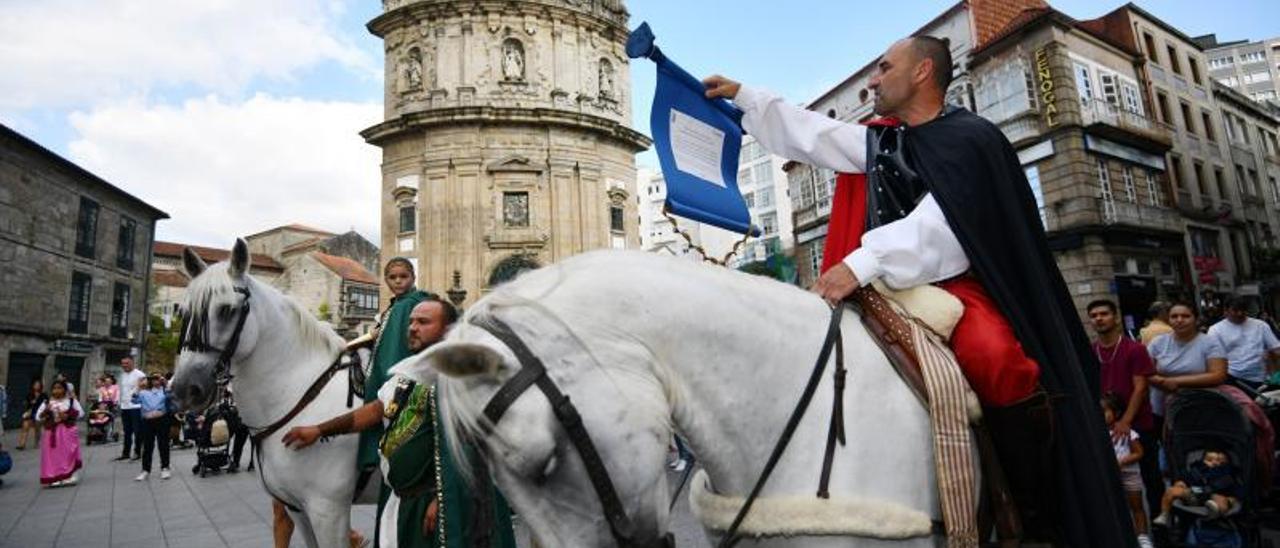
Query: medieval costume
x=60, y=443
x=417, y=464
x=391, y=347
x=946, y=203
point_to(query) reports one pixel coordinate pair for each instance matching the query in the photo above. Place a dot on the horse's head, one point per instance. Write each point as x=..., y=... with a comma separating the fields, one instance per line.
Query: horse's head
x=528, y=450
x=217, y=325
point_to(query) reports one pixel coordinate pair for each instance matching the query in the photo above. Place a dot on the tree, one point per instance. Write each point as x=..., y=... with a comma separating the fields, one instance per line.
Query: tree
x=162, y=344
x=323, y=312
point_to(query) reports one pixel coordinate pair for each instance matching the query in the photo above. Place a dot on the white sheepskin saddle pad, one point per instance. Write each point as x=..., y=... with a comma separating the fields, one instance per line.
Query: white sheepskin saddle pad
x=939, y=310
x=807, y=515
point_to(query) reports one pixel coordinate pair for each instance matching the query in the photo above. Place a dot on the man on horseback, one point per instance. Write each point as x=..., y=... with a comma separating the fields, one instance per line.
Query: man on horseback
x=428, y=504
x=944, y=201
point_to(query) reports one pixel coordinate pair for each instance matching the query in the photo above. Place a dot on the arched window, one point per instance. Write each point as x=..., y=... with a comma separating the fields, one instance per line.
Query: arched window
x=513, y=265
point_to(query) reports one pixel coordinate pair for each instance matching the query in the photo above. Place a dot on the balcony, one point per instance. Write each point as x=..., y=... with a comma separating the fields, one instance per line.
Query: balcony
x=1111, y=121
x=1127, y=213
x=1021, y=127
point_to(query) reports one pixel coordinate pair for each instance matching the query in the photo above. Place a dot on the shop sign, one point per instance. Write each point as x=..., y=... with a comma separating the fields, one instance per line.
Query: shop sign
x=1048, y=97
x=71, y=347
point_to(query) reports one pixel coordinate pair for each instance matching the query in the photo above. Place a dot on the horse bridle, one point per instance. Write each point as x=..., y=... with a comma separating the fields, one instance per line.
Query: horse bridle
x=534, y=373
x=198, y=342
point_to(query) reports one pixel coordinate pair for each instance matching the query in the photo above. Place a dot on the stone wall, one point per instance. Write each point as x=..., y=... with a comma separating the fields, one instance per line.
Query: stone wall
x=40, y=197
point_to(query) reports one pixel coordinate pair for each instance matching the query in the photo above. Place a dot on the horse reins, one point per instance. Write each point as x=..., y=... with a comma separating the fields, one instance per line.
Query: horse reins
x=195, y=338
x=534, y=373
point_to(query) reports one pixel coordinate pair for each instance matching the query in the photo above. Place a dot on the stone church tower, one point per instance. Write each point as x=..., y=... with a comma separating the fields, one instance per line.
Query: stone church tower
x=506, y=143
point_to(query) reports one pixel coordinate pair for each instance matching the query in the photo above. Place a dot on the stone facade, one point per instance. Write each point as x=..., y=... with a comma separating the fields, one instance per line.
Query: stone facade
x=506, y=138
x=1069, y=100
x=76, y=256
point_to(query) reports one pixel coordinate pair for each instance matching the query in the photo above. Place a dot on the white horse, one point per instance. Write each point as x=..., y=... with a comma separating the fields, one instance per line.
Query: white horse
x=282, y=350
x=645, y=344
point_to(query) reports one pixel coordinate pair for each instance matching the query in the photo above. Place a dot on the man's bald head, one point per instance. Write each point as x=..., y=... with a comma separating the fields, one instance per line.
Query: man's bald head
x=938, y=52
x=428, y=322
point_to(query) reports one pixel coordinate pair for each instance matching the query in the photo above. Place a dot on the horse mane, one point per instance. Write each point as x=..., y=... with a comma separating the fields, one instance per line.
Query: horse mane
x=216, y=281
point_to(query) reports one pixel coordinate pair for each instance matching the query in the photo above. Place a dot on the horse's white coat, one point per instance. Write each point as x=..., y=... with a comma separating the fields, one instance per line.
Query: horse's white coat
x=282, y=350
x=644, y=344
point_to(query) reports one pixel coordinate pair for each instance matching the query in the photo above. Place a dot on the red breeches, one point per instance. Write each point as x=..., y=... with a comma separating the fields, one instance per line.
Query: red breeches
x=986, y=348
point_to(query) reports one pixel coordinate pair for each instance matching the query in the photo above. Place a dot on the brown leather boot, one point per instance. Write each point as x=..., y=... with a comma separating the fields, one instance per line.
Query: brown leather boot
x=1023, y=435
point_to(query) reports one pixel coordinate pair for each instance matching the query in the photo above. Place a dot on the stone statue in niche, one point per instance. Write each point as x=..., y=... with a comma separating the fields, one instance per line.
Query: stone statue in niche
x=606, y=79
x=512, y=60
x=412, y=70
x=515, y=209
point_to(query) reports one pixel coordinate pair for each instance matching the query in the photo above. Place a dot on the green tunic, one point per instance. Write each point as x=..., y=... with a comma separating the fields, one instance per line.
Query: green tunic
x=392, y=346
x=421, y=469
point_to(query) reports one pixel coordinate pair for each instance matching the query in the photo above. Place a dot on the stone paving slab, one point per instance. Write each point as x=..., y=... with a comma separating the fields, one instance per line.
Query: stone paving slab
x=107, y=509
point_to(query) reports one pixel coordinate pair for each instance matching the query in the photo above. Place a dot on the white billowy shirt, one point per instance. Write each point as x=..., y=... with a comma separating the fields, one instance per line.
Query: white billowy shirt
x=915, y=250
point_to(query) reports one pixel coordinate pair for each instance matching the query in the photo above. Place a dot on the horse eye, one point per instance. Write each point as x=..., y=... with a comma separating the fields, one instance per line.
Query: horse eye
x=225, y=311
x=547, y=469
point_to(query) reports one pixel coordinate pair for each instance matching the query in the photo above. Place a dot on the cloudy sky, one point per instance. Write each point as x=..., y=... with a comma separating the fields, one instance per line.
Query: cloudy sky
x=238, y=115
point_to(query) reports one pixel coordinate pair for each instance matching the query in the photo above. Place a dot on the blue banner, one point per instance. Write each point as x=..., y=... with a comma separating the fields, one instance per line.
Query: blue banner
x=697, y=140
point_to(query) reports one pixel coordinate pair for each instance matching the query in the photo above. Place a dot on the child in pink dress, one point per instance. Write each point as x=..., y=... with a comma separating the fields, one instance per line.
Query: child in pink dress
x=60, y=443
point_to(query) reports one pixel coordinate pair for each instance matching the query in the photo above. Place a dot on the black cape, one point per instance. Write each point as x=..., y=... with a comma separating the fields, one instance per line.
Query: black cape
x=977, y=180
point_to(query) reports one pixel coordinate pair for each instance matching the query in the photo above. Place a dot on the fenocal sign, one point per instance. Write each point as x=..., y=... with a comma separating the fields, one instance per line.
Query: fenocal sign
x=1048, y=96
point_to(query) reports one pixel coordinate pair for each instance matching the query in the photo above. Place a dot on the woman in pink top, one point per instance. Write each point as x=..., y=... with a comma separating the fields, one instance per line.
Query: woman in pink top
x=109, y=391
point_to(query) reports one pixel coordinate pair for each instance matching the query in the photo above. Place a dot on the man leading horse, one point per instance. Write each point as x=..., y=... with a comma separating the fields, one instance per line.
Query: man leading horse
x=939, y=197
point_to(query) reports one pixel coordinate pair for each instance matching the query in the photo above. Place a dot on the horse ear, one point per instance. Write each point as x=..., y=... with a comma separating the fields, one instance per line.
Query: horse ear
x=464, y=359
x=239, y=258
x=193, y=264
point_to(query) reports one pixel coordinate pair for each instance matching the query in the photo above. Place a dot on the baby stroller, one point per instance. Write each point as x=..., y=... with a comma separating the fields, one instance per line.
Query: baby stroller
x=213, y=438
x=101, y=427
x=1198, y=421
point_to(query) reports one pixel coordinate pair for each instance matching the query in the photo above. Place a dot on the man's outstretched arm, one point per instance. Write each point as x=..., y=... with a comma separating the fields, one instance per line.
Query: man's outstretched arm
x=793, y=132
x=362, y=418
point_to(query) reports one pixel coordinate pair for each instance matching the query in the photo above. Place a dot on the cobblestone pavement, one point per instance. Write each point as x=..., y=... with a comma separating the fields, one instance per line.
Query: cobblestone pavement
x=108, y=509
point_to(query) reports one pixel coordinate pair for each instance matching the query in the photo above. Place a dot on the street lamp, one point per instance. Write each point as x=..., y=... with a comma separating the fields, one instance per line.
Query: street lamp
x=456, y=293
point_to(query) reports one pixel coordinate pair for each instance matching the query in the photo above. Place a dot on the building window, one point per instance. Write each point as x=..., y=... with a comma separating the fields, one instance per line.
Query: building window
x=1275, y=190
x=616, y=218
x=1132, y=98
x=87, y=228
x=1206, y=122
x=1254, y=185
x=1151, y=47
x=1197, y=169
x=822, y=189
x=1240, y=184
x=769, y=223
x=1173, y=59
x=1253, y=57
x=764, y=197
x=1163, y=102
x=1005, y=92
x=1221, y=62
x=408, y=218
x=120, y=311
x=1110, y=89
x=124, y=243
x=1175, y=173
x=81, y=295
x=1130, y=189
x=815, y=255
x=1195, y=69
x=1084, y=84
x=1188, y=123
x=1033, y=180
x=1104, y=192
x=762, y=173
x=804, y=194
x=515, y=209
x=1220, y=179
x=362, y=301
x=750, y=199
x=1153, y=191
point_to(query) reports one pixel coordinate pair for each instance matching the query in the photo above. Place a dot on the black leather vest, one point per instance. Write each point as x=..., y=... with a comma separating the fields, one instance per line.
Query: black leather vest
x=893, y=188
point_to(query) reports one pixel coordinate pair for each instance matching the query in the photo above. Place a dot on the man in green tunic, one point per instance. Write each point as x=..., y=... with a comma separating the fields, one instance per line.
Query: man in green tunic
x=430, y=505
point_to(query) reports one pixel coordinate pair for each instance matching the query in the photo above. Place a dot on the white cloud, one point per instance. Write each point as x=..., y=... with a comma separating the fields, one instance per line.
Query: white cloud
x=225, y=169
x=75, y=52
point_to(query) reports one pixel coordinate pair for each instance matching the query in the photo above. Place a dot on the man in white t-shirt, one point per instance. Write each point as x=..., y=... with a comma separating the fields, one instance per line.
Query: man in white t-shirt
x=130, y=414
x=1251, y=346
